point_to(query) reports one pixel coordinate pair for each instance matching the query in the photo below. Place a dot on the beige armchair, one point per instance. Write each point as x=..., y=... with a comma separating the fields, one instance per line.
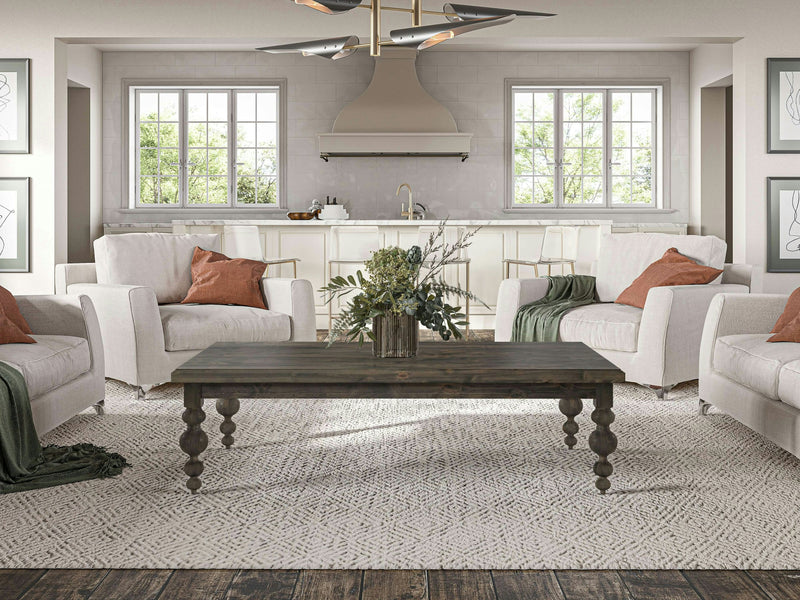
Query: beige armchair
x=136, y=285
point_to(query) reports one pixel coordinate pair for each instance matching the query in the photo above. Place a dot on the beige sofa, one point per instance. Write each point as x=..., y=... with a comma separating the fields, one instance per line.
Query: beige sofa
x=137, y=283
x=63, y=370
x=657, y=346
x=755, y=381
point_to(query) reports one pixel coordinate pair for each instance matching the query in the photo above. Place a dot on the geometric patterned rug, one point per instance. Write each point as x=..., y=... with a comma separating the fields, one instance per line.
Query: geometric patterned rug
x=423, y=484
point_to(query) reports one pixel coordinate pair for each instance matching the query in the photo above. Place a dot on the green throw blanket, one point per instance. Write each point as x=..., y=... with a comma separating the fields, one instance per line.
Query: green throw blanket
x=539, y=320
x=24, y=464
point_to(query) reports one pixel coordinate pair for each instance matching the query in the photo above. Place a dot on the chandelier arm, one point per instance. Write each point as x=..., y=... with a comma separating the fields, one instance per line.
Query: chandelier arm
x=410, y=10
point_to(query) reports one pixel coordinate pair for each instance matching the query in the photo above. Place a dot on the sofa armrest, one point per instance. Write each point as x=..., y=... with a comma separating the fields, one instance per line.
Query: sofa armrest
x=293, y=297
x=65, y=315
x=68, y=274
x=130, y=322
x=731, y=314
x=513, y=294
x=671, y=329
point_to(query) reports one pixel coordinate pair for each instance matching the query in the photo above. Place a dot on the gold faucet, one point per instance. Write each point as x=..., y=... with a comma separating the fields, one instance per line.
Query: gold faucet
x=403, y=213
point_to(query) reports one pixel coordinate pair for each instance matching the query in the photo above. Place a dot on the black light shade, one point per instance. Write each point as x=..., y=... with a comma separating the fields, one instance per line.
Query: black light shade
x=330, y=7
x=430, y=35
x=465, y=12
x=331, y=48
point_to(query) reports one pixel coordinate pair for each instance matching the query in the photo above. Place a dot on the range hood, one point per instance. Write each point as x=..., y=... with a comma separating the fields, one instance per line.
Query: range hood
x=395, y=116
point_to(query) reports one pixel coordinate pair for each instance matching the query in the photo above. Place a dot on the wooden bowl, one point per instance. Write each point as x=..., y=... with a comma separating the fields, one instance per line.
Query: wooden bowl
x=300, y=216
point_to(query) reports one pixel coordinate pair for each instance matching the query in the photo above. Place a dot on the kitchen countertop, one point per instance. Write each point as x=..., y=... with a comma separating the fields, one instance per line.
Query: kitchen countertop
x=390, y=222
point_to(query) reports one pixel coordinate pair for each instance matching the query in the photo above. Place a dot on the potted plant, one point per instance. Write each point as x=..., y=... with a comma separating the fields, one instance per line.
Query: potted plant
x=401, y=288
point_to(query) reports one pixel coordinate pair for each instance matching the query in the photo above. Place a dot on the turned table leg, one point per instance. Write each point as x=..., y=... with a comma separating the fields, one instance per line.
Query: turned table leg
x=570, y=408
x=227, y=407
x=194, y=440
x=602, y=441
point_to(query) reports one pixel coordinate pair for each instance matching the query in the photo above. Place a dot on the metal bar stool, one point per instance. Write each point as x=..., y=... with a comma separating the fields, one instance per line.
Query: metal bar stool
x=244, y=241
x=559, y=247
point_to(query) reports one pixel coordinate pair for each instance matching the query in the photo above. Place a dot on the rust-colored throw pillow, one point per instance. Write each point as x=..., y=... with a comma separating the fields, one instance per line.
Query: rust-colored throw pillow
x=791, y=310
x=10, y=333
x=9, y=306
x=671, y=269
x=790, y=333
x=217, y=279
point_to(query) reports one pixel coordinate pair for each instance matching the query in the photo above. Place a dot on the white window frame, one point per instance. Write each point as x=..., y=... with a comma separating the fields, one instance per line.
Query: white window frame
x=131, y=147
x=661, y=129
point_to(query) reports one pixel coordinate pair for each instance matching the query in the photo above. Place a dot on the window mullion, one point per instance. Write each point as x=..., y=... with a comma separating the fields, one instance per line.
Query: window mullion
x=183, y=152
x=232, y=134
x=654, y=157
x=559, y=150
x=607, y=152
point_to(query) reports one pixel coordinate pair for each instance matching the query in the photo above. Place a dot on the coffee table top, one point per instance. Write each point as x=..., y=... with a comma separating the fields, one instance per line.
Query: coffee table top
x=436, y=362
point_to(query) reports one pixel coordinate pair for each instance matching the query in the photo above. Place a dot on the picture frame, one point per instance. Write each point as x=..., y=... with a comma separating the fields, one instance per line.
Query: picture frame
x=15, y=246
x=15, y=100
x=783, y=224
x=783, y=105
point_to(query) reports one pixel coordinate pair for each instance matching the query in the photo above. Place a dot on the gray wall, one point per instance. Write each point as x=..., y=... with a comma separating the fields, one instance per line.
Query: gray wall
x=470, y=84
x=79, y=177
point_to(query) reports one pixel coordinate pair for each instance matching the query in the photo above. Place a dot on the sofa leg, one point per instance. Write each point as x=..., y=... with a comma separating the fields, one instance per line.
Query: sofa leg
x=662, y=392
x=100, y=407
x=702, y=407
x=141, y=391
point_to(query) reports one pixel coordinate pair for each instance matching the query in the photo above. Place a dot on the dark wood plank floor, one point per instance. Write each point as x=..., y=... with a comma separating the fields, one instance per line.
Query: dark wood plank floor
x=43, y=584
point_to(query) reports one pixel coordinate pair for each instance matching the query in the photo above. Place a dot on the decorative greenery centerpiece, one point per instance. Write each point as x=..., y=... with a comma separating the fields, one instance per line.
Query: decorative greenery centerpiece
x=401, y=288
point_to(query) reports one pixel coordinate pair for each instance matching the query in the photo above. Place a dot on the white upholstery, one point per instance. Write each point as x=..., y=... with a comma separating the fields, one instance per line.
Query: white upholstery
x=755, y=381
x=659, y=345
x=750, y=360
x=64, y=370
x=198, y=326
x=789, y=384
x=49, y=363
x=624, y=256
x=160, y=261
x=603, y=326
x=147, y=339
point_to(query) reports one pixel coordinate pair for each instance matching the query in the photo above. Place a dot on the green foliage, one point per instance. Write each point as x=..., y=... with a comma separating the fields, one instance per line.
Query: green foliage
x=402, y=281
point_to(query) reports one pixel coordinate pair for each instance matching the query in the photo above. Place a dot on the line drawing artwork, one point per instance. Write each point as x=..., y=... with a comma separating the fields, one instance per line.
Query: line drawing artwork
x=8, y=225
x=8, y=117
x=790, y=223
x=790, y=106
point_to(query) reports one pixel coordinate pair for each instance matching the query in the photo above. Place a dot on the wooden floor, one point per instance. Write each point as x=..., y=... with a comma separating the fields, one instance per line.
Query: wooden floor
x=400, y=585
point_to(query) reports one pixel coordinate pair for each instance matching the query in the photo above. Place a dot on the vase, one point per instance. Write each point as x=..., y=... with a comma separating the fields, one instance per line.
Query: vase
x=396, y=336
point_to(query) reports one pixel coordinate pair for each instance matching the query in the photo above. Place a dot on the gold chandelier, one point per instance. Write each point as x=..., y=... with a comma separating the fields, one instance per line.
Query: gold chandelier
x=461, y=18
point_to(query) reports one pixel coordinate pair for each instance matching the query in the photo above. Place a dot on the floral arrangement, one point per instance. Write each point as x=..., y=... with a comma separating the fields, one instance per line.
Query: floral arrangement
x=399, y=282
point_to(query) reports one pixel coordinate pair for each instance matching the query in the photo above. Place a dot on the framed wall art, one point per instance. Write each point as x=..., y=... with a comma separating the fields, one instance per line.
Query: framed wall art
x=15, y=229
x=15, y=105
x=783, y=105
x=783, y=224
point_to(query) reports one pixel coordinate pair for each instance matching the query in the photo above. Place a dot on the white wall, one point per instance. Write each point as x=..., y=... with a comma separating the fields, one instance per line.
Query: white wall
x=32, y=29
x=470, y=84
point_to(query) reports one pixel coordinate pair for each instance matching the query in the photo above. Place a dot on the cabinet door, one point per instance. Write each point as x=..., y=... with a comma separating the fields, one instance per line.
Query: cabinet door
x=309, y=245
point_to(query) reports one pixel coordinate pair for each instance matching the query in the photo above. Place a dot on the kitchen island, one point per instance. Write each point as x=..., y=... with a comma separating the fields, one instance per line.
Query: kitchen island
x=311, y=242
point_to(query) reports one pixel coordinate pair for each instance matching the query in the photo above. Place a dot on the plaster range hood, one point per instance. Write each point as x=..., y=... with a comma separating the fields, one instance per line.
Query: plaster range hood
x=395, y=116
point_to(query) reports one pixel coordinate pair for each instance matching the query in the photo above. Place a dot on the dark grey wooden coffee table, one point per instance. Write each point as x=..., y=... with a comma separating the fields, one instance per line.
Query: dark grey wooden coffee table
x=566, y=371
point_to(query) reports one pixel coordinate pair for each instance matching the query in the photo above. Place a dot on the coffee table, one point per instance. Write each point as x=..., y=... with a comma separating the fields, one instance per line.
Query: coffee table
x=564, y=371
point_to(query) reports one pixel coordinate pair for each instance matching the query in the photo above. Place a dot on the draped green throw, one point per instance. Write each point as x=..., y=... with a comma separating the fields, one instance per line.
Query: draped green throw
x=539, y=320
x=24, y=463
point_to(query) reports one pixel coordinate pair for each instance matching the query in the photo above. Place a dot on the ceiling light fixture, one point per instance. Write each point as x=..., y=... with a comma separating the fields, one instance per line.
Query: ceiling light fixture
x=462, y=18
x=430, y=35
x=331, y=48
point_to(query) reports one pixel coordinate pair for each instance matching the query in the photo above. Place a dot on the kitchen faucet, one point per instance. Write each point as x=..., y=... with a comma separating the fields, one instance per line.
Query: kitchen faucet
x=412, y=208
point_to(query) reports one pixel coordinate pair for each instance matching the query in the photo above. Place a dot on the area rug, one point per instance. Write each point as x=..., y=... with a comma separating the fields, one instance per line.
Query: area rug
x=385, y=484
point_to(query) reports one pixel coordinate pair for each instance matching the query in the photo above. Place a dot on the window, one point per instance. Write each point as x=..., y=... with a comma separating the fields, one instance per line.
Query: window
x=585, y=146
x=205, y=147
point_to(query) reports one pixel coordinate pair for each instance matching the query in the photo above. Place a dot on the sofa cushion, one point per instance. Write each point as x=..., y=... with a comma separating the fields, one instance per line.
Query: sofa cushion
x=49, y=363
x=748, y=359
x=790, y=311
x=161, y=261
x=602, y=326
x=623, y=257
x=217, y=279
x=197, y=326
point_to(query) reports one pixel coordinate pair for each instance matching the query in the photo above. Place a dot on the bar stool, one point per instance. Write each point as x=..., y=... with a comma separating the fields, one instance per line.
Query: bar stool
x=463, y=259
x=559, y=247
x=350, y=245
x=244, y=241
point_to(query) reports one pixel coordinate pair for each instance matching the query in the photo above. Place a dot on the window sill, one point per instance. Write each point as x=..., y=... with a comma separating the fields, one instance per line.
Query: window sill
x=208, y=210
x=582, y=209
